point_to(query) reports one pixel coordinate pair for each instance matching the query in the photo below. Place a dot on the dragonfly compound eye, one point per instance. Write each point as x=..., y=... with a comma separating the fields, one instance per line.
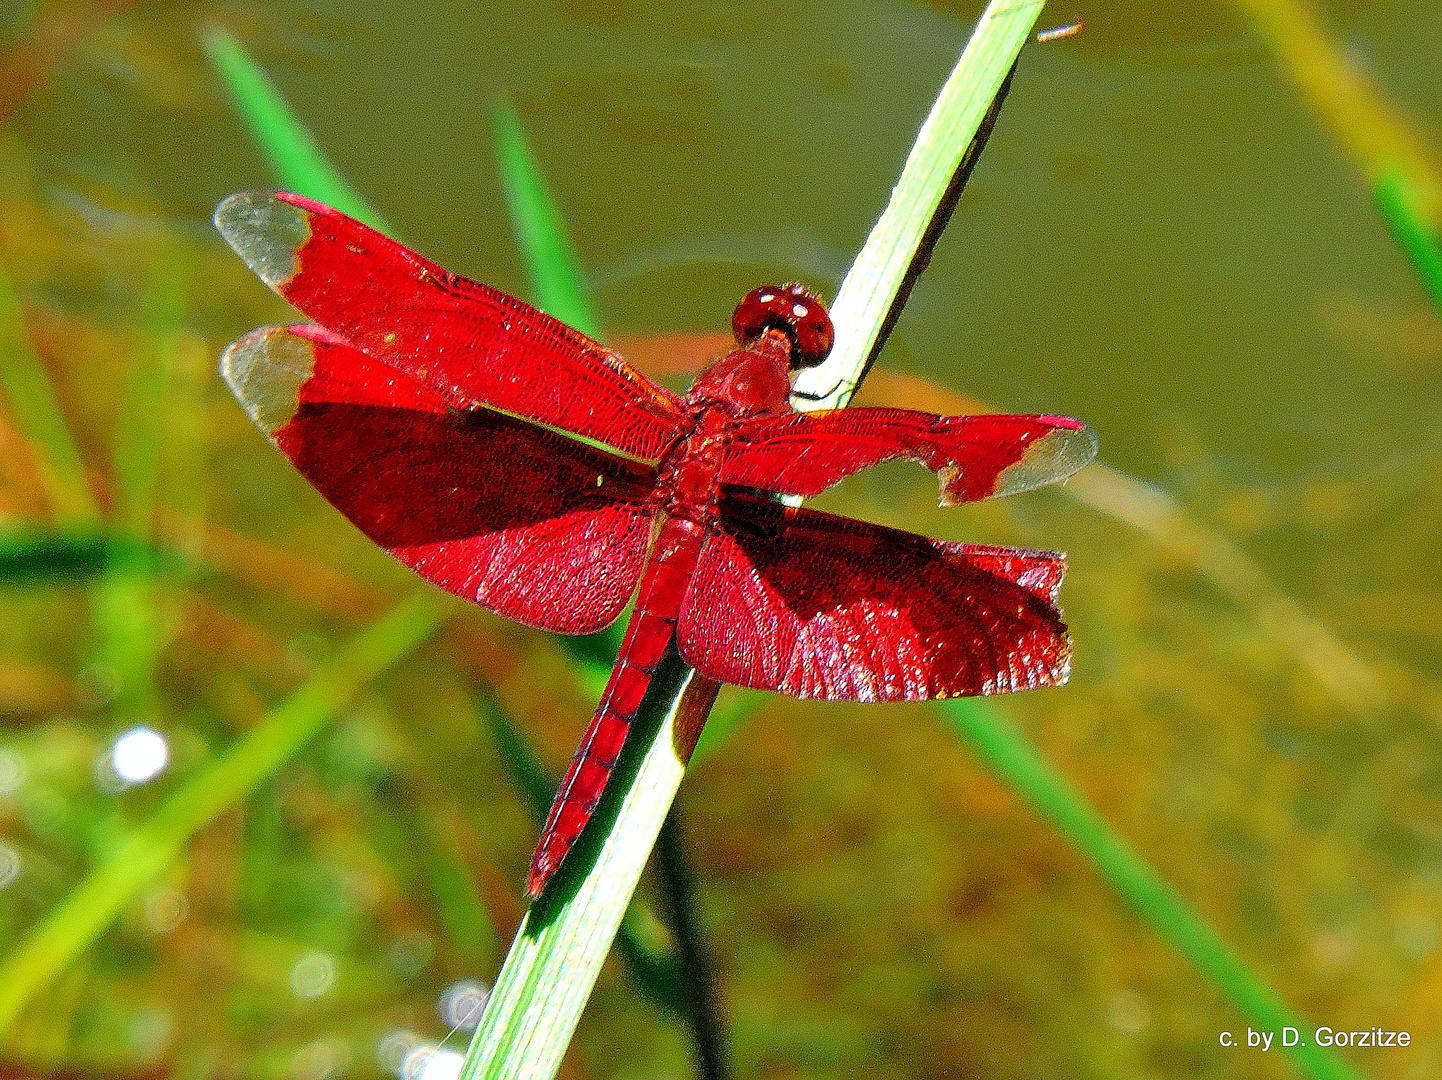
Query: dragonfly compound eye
x=793, y=309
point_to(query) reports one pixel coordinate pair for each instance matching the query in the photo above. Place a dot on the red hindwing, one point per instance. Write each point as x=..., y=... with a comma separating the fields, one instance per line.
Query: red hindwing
x=533, y=525
x=820, y=606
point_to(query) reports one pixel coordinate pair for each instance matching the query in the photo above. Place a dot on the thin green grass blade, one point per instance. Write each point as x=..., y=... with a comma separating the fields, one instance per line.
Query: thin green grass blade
x=557, y=286
x=1399, y=208
x=184, y=481
x=139, y=433
x=1377, y=135
x=655, y=973
x=567, y=933
x=27, y=560
x=132, y=617
x=140, y=858
x=1011, y=756
x=463, y=914
x=881, y=271
x=283, y=139
x=37, y=411
x=557, y=954
x=526, y=772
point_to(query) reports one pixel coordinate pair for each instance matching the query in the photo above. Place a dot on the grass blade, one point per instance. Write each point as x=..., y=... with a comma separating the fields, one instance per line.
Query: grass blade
x=37, y=412
x=1374, y=132
x=552, y=268
x=132, y=617
x=557, y=954
x=559, y=288
x=567, y=933
x=291, y=150
x=140, y=858
x=1009, y=755
x=1395, y=157
x=656, y=975
x=68, y=557
x=1398, y=203
x=139, y=434
x=868, y=301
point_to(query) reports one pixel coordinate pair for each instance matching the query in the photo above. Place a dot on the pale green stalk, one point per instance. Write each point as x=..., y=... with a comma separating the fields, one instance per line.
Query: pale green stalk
x=566, y=935
x=880, y=272
x=36, y=409
x=558, y=951
x=291, y=148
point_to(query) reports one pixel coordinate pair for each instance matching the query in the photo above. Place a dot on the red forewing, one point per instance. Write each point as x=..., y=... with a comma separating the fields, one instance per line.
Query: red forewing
x=472, y=344
x=819, y=606
x=975, y=457
x=535, y=526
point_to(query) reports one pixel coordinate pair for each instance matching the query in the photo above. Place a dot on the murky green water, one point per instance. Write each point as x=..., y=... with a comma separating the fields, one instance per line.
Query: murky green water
x=1155, y=237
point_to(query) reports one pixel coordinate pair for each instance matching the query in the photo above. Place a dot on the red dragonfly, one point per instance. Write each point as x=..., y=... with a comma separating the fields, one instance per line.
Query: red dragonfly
x=517, y=463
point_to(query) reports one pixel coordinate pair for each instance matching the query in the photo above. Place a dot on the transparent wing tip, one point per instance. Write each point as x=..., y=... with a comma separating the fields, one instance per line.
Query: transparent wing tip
x=265, y=370
x=1064, y=451
x=265, y=231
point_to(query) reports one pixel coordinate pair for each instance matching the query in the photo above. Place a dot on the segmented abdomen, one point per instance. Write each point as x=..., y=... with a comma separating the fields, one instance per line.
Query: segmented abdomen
x=651, y=630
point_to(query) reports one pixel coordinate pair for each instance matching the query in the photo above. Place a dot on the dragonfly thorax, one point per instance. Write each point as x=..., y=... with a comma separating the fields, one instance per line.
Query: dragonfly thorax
x=780, y=328
x=754, y=381
x=688, y=478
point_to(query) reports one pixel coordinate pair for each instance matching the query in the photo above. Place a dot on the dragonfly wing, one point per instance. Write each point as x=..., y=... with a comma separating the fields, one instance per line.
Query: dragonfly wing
x=470, y=343
x=533, y=525
x=815, y=605
x=975, y=457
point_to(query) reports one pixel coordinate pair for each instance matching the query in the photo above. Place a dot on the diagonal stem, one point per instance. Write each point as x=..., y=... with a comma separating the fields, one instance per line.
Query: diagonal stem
x=557, y=954
x=697, y=979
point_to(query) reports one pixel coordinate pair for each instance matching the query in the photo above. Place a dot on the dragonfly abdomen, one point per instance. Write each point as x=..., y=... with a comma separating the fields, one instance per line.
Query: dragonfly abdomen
x=650, y=632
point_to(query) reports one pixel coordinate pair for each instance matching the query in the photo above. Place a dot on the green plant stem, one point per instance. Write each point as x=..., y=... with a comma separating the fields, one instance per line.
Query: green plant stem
x=655, y=974
x=568, y=931
x=697, y=982
x=139, y=433
x=557, y=954
x=432, y=837
x=290, y=148
x=1010, y=756
x=557, y=286
x=1418, y=242
x=896, y=249
x=142, y=856
x=69, y=557
x=133, y=616
x=37, y=411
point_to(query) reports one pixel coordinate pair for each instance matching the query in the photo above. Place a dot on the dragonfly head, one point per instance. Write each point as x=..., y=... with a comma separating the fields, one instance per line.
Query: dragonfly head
x=792, y=309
